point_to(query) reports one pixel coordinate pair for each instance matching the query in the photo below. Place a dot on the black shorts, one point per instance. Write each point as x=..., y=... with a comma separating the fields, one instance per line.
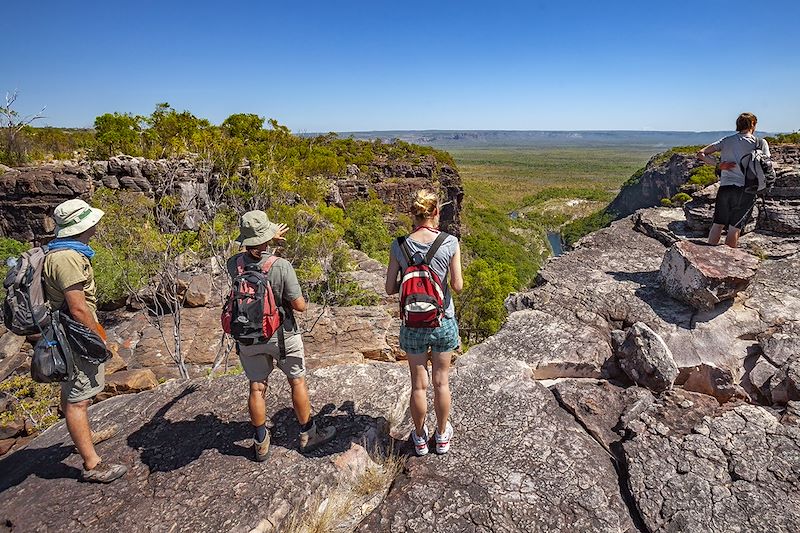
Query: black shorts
x=734, y=206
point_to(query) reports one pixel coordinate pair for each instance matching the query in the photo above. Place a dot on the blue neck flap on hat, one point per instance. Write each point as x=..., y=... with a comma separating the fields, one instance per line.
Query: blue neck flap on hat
x=66, y=243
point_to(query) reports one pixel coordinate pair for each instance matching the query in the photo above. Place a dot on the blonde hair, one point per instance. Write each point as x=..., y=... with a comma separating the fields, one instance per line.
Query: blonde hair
x=425, y=204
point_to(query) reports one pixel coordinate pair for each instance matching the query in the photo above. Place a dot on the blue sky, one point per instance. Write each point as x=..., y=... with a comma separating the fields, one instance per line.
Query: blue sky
x=346, y=66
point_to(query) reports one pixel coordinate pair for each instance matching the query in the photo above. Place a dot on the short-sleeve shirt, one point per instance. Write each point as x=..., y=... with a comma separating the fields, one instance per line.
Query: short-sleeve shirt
x=732, y=149
x=440, y=263
x=63, y=269
x=283, y=280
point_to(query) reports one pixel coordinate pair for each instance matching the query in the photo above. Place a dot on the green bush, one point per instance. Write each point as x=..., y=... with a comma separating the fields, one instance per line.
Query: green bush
x=573, y=231
x=38, y=402
x=680, y=198
x=666, y=202
x=703, y=176
x=480, y=309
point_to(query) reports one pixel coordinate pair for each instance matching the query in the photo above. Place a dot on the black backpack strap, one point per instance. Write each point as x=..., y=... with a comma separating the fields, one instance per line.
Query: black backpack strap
x=401, y=243
x=435, y=245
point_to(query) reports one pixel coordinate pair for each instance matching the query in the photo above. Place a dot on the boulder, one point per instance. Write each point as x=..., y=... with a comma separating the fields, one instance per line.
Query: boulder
x=128, y=381
x=10, y=344
x=646, y=359
x=200, y=291
x=703, y=276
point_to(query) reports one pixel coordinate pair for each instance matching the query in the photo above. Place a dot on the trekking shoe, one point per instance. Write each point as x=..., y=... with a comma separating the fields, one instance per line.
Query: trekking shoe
x=104, y=434
x=420, y=443
x=443, y=440
x=314, y=438
x=103, y=473
x=261, y=449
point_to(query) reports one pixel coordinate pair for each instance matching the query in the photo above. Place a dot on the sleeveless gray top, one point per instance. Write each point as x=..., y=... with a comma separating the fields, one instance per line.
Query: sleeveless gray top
x=440, y=263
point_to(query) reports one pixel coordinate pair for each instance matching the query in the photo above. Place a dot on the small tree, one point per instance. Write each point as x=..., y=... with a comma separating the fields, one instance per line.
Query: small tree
x=12, y=125
x=118, y=132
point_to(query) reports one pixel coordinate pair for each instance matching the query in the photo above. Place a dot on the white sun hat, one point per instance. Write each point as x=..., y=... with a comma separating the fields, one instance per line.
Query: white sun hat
x=75, y=216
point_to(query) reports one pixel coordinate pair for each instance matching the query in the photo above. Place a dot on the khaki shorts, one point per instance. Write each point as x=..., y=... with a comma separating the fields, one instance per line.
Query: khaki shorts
x=258, y=360
x=89, y=381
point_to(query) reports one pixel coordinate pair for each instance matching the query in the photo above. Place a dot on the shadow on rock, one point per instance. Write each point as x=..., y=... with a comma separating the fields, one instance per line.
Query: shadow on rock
x=368, y=431
x=166, y=445
x=45, y=463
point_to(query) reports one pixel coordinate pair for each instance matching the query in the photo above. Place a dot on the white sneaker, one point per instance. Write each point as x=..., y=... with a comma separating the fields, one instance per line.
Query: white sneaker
x=420, y=443
x=443, y=441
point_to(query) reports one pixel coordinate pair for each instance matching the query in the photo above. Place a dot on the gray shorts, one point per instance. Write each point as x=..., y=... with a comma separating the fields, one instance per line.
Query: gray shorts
x=90, y=380
x=258, y=360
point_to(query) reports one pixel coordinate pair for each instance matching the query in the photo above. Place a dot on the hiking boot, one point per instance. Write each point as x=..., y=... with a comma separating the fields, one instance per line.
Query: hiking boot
x=443, y=440
x=103, y=473
x=261, y=449
x=314, y=438
x=420, y=443
x=104, y=434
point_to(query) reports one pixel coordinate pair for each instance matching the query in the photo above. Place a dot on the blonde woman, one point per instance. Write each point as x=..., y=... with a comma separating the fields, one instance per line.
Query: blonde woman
x=442, y=255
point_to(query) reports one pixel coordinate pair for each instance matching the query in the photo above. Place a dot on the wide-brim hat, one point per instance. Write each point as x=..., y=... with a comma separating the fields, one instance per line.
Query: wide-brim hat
x=75, y=216
x=255, y=229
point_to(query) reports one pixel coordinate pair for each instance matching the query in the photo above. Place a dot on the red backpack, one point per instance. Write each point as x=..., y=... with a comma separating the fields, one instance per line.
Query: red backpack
x=422, y=294
x=250, y=314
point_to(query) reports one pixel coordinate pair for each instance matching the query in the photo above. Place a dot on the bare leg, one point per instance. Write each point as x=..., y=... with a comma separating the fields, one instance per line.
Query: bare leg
x=441, y=388
x=732, y=239
x=300, y=401
x=715, y=233
x=256, y=403
x=77, y=417
x=418, y=365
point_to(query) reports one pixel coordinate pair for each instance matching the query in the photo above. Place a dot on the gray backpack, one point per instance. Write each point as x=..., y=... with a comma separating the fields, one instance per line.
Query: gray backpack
x=759, y=174
x=25, y=309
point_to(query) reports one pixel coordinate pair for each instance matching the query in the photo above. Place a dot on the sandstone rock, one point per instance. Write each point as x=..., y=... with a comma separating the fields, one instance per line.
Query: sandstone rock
x=732, y=471
x=128, y=381
x=345, y=330
x=13, y=428
x=200, y=291
x=646, y=359
x=660, y=179
x=189, y=452
x=6, y=445
x=542, y=472
x=116, y=362
x=10, y=344
x=703, y=276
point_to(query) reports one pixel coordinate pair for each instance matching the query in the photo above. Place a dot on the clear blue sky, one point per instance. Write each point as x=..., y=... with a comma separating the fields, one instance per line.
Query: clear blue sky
x=377, y=65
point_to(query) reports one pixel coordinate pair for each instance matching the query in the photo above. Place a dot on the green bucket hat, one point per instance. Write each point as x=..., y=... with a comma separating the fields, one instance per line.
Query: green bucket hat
x=255, y=229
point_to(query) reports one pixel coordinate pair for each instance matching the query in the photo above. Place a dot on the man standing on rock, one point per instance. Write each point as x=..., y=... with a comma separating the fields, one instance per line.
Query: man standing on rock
x=69, y=284
x=259, y=358
x=734, y=205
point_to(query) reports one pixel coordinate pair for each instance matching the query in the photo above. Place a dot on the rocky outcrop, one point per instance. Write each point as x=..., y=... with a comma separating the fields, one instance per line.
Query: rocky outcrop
x=188, y=449
x=29, y=194
x=660, y=178
x=563, y=327
x=703, y=276
x=518, y=463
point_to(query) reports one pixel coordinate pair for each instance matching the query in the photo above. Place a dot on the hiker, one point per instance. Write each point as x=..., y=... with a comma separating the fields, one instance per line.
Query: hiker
x=426, y=258
x=733, y=208
x=258, y=351
x=69, y=285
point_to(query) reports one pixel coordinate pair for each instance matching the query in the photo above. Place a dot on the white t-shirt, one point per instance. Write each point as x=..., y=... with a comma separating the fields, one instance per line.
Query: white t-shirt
x=733, y=148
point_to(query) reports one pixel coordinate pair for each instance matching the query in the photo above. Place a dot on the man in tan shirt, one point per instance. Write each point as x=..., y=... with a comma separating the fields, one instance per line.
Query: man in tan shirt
x=69, y=285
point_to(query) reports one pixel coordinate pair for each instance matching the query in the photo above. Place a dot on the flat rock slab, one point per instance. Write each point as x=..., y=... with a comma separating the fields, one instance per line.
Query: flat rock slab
x=738, y=470
x=188, y=449
x=703, y=276
x=518, y=462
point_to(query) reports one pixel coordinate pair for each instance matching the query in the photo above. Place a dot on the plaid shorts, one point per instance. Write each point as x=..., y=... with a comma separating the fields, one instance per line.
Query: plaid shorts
x=419, y=340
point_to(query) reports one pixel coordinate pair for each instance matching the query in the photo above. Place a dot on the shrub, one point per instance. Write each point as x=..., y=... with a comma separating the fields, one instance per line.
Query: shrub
x=36, y=401
x=680, y=198
x=666, y=202
x=573, y=231
x=703, y=176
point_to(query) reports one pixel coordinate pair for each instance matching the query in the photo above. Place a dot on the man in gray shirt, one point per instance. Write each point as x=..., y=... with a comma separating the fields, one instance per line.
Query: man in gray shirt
x=258, y=359
x=733, y=208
